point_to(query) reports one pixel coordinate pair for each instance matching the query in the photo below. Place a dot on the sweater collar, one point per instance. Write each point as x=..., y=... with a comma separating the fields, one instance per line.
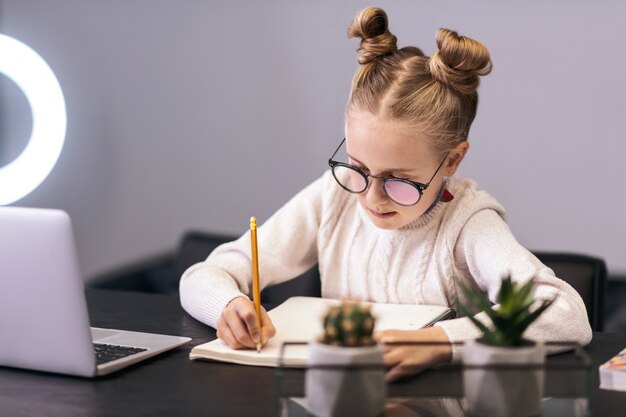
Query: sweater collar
x=443, y=196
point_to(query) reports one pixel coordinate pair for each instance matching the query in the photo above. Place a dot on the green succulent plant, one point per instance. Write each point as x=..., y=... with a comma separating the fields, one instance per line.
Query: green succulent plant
x=349, y=324
x=511, y=316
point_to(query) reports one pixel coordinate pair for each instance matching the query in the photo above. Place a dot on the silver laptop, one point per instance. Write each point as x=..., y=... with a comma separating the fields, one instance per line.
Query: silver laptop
x=44, y=324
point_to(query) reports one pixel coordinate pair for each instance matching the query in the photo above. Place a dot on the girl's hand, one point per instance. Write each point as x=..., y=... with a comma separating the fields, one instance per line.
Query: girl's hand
x=238, y=325
x=405, y=360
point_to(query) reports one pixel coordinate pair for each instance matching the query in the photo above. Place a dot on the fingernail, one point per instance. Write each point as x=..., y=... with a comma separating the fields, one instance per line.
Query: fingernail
x=255, y=337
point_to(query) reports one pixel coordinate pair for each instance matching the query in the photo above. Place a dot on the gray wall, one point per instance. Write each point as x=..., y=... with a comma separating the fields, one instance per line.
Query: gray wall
x=197, y=114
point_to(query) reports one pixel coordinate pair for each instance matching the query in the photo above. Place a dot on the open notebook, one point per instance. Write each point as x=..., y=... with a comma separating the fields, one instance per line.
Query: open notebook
x=299, y=319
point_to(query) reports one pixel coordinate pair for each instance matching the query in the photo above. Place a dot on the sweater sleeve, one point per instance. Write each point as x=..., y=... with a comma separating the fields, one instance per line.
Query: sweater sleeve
x=486, y=252
x=287, y=244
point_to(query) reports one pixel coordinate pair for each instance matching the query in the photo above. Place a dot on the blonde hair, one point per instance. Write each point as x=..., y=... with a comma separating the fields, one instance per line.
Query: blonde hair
x=436, y=94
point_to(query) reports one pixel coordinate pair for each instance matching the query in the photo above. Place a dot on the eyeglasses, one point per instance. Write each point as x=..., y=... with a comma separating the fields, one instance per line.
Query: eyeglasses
x=355, y=180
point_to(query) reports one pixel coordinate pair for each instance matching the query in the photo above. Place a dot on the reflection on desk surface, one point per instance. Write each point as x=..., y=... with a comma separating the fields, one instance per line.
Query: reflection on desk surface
x=442, y=407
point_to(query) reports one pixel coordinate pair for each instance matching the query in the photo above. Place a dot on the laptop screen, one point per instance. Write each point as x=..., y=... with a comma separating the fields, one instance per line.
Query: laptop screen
x=44, y=324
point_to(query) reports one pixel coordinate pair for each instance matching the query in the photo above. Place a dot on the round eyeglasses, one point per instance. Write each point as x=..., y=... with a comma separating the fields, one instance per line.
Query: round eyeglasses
x=354, y=180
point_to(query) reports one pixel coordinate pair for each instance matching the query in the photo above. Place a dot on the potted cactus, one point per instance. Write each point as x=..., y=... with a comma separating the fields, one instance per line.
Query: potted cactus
x=502, y=392
x=335, y=386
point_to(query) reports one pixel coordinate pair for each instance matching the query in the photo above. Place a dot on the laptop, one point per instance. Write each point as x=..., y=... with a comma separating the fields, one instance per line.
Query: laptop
x=44, y=323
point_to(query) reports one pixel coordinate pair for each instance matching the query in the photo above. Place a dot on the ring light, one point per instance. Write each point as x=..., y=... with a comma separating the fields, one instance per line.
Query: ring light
x=34, y=77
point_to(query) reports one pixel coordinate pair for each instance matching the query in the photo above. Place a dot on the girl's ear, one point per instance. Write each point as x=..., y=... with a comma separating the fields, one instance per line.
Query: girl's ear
x=455, y=157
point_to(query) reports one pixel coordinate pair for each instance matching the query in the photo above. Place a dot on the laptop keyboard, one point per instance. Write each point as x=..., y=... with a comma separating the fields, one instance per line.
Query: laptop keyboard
x=107, y=353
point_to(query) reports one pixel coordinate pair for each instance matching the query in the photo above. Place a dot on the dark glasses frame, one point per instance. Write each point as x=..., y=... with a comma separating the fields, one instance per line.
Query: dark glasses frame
x=417, y=185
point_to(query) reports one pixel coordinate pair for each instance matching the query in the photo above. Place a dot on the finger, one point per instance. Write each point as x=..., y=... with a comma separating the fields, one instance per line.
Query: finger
x=395, y=373
x=267, y=329
x=403, y=369
x=392, y=357
x=224, y=333
x=220, y=325
x=388, y=348
x=247, y=314
x=238, y=328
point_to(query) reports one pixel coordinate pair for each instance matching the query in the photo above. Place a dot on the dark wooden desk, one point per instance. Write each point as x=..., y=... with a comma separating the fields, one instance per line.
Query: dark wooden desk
x=172, y=385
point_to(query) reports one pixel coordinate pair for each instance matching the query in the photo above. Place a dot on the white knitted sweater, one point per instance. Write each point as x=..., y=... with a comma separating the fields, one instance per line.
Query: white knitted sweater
x=465, y=240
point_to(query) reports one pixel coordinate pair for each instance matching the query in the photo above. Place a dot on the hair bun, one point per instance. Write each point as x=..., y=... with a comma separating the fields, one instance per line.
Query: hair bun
x=459, y=61
x=372, y=27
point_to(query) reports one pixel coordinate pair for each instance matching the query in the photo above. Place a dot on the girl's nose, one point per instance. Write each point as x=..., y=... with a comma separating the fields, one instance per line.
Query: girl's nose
x=375, y=193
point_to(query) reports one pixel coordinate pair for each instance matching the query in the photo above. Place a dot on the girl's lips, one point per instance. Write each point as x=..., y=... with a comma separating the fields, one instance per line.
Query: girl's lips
x=384, y=215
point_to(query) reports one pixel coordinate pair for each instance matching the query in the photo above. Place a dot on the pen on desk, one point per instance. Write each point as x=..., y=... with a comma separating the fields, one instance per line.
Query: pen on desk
x=256, y=291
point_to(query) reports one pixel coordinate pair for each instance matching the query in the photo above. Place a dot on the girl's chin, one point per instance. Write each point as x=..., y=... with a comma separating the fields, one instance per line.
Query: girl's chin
x=389, y=221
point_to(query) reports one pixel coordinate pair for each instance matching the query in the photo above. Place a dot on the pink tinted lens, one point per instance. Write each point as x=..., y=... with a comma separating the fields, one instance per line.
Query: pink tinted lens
x=402, y=192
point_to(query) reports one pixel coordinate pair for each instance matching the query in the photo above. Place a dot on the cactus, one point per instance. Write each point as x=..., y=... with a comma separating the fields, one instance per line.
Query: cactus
x=349, y=324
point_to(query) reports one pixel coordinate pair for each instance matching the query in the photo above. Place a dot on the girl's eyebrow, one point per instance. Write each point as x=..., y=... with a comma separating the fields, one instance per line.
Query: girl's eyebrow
x=355, y=160
x=406, y=171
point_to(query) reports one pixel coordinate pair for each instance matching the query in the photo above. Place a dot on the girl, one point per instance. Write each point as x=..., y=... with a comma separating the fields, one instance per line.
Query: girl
x=391, y=224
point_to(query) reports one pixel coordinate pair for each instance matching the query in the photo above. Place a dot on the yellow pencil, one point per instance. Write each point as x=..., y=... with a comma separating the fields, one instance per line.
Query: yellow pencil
x=256, y=290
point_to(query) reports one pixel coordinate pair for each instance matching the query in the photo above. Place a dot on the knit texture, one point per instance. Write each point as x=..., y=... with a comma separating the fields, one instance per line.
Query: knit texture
x=465, y=241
